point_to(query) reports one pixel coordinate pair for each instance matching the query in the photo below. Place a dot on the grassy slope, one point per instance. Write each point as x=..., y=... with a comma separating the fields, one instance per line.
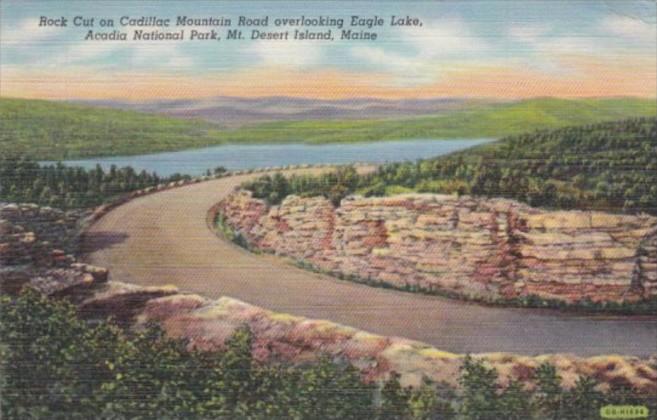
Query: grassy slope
x=482, y=121
x=47, y=130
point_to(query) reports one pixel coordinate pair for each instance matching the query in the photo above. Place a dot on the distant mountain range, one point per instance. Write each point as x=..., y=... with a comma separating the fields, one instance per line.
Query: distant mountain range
x=47, y=130
x=231, y=111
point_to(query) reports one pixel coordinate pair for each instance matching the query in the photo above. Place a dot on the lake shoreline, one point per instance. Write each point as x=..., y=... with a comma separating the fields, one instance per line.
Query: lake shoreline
x=197, y=161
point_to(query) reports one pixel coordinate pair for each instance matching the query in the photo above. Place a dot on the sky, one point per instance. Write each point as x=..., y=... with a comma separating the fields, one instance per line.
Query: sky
x=500, y=49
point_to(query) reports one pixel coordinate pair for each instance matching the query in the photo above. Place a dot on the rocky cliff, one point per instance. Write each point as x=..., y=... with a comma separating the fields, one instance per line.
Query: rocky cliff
x=38, y=246
x=27, y=262
x=473, y=247
x=207, y=323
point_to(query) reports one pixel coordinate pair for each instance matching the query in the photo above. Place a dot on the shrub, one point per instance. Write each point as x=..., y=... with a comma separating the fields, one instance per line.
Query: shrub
x=55, y=365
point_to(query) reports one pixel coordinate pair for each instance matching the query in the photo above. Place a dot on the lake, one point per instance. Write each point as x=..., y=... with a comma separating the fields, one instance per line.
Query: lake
x=235, y=157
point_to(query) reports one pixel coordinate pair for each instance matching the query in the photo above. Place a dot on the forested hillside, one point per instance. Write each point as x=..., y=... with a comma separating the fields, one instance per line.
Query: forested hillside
x=54, y=131
x=46, y=130
x=67, y=187
x=608, y=166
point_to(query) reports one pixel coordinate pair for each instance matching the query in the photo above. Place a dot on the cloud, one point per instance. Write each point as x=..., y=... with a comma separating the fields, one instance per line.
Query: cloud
x=628, y=27
x=425, y=50
x=98, y=55
x=28, y=31
x=408, y=70
x=24, y=41
x=528, y=33
x=440, y=38
x=555, y=54
x=544, y=43
x=287, y=54
x=569, y=45
x=542, y=48
x=86, y=51
x=596, y=79
x=167, y=55
x=384, y=58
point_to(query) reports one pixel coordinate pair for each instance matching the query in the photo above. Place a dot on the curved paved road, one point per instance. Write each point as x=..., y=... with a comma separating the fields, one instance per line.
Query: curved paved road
x=163, y=239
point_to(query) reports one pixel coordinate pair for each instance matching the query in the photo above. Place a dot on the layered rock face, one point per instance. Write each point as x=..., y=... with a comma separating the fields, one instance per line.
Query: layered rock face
x=207, y=323
x=474, y=247
x=37, y=246
x=22, y=224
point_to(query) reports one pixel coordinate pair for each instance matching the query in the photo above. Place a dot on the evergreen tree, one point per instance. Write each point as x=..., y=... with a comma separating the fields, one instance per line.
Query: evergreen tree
x=549, y=394
x=479, y=383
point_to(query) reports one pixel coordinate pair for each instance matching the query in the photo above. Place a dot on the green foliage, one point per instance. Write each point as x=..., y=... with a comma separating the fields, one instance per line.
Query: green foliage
x=515, y=402
x=66, y=187
x=55, y=365
x=484, y=398
x=426, y=403
x=339, y=383
x=549, y=395
x=229, y=233
x=56, y=384
x=56, y=131
x=333, y=185
x=394, y=399
x=608, y=166
x=583, y=402
x=479, y=383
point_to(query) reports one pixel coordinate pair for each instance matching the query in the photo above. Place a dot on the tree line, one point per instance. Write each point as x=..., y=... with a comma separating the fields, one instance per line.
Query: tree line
x=609, y=166
x=67, y=187
x=334, y=185
x=57, y=365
